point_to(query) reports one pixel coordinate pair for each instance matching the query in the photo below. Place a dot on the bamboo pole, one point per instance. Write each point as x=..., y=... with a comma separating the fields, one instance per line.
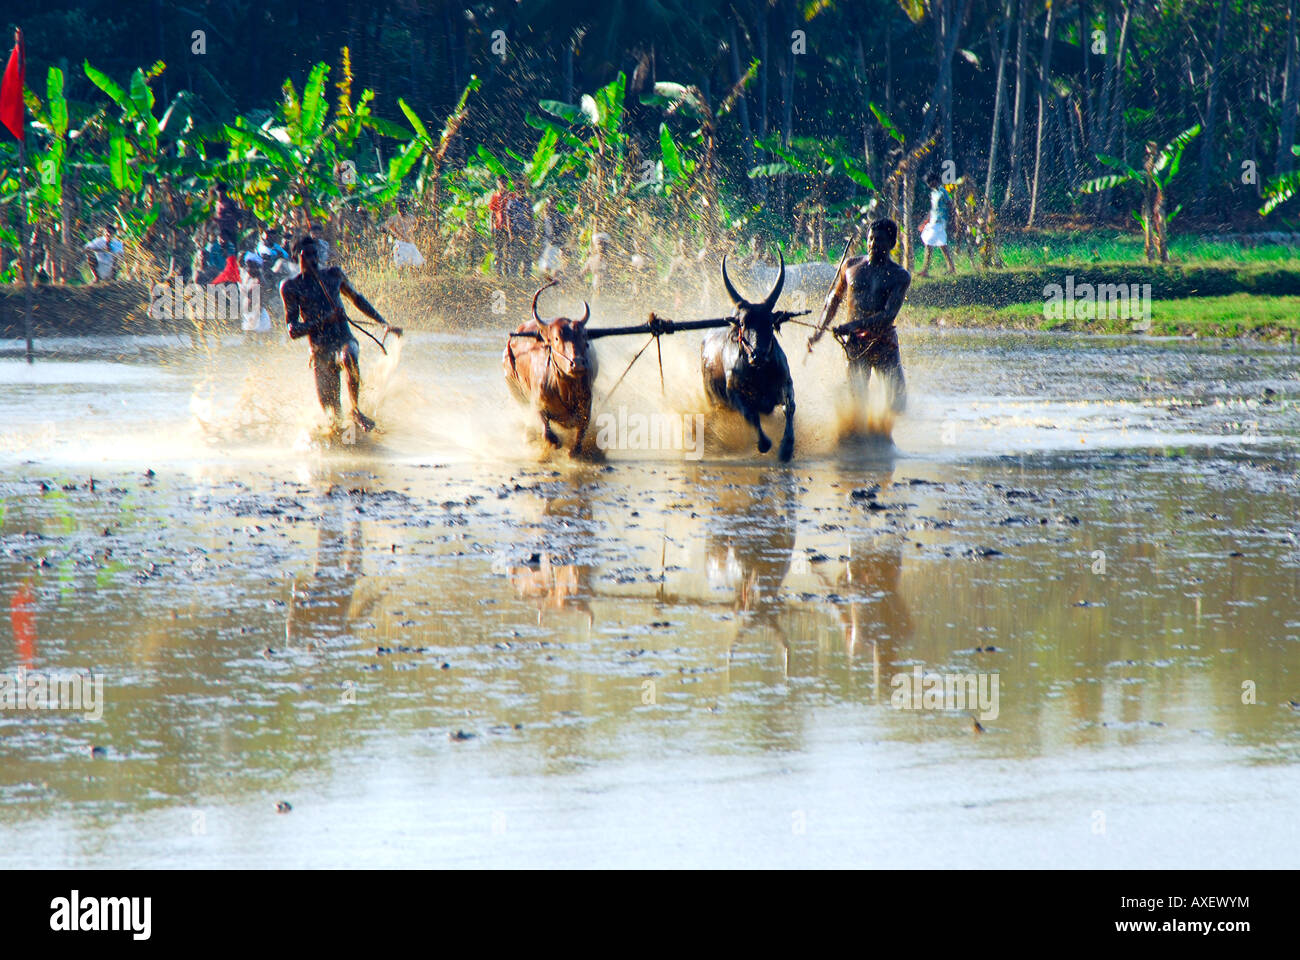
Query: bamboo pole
x=26, y=245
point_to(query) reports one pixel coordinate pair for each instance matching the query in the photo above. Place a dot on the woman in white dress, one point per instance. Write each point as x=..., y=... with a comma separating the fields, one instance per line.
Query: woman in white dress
x=934, y=232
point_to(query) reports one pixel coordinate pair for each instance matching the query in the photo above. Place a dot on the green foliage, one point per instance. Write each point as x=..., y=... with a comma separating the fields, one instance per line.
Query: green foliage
x=1281, y=188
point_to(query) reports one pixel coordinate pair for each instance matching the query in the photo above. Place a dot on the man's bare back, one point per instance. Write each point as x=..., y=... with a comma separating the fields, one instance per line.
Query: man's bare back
x=313, y=307
x=318, y=299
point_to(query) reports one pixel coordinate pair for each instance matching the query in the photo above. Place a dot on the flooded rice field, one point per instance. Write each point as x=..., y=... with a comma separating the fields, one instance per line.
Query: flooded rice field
x=435, y=646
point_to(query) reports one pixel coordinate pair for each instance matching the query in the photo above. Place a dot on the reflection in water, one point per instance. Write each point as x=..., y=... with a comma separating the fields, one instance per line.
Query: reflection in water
x=1134, y=584
x=549, y=573
x=876, y=612
x=750, y=537
x=323, y=607
x=22, y=617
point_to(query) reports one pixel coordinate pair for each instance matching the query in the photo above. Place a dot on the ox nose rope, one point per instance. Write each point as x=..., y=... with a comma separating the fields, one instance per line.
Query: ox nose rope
x=654, y=338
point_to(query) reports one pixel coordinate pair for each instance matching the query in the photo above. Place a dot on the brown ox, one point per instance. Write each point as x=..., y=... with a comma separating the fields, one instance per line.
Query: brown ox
x=553, y=374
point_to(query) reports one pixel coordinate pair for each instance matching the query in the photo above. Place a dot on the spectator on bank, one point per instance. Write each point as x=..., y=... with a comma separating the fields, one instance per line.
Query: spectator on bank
x=500, y=225
x=270, y=249
x=934, y=232
x=597, y=263
x=103, y=253
x=323, y=249
x=209, y=257
x=401, y=226
x=252, y=296
x=555, y=231
x=519, y=222
x=228, y=215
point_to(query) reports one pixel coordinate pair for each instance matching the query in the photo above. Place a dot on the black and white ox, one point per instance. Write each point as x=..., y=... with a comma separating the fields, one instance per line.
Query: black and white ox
x=745, y=368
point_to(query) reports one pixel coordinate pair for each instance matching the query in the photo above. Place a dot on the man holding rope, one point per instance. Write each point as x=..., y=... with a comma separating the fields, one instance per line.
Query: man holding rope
x=875, y=286
x=313, y=308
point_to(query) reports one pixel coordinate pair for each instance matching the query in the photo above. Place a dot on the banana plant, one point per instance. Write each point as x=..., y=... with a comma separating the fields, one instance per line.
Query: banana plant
x=294, y=160
x=154, y=165
x=1281, y=188
x=424, y=152
x=687, y=100
x=1159, y=167
x=597, y=143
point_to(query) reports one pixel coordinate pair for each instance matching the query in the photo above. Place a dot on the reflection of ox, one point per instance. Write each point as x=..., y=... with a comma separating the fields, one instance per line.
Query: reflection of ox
x=553, y=373
x=745, y=368
x=555, y=582
x=750, y=540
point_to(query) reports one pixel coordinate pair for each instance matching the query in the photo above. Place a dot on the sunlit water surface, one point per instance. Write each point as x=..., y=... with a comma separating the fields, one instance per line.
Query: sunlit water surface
x=440, y=647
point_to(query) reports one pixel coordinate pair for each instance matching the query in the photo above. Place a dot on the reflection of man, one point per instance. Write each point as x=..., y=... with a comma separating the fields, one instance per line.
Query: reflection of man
x=876, y=613
x=104, y=252
x=875, y=286
x=323, y=607
x=22, y=617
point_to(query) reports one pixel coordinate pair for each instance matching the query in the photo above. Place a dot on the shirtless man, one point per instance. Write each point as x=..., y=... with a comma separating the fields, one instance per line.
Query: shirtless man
x=314, y=295
x=876, y=286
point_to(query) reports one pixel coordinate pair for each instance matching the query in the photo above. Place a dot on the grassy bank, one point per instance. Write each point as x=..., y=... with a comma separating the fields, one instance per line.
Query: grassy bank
x=1236, y=315
x=1256, y=298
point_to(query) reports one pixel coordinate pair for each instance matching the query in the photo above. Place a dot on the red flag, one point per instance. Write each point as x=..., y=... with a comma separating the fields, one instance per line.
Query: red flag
x=11, y=91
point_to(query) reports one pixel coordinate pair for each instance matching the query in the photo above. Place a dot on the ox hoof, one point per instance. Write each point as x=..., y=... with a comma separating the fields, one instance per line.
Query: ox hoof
x=590, y=454
x=362, y=421
x=764, y=444
x=786, y=451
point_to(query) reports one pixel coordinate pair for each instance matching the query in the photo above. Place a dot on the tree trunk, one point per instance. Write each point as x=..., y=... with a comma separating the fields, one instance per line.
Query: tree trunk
x=1211, y=110
x=951, y=34
x=1044, y=81
x=1113, y=100
x=1085, y=41
x=567, y=56
x=742, y=104
x=1286, y=132
x=889, y=67
x=1149, y=189
x=787, y=78
x=906, y=204
x=1116, y=120
x=864, y=100
x=1018, y=109
x=452, y=63
x=762, y=71
x=1000, y=47
x=787, y=96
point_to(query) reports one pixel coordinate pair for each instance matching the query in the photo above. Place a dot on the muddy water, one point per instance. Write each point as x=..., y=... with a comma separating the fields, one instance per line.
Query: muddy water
x=441, y=648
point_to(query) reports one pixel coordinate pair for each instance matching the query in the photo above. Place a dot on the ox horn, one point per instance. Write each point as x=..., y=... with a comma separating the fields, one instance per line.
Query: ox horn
x=736, y=298
x=586, y=313
x=770, y=302
x=544, y=286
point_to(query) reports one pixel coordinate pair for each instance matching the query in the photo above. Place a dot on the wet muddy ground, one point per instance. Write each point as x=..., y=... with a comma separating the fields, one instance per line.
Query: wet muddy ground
x=438, y=647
